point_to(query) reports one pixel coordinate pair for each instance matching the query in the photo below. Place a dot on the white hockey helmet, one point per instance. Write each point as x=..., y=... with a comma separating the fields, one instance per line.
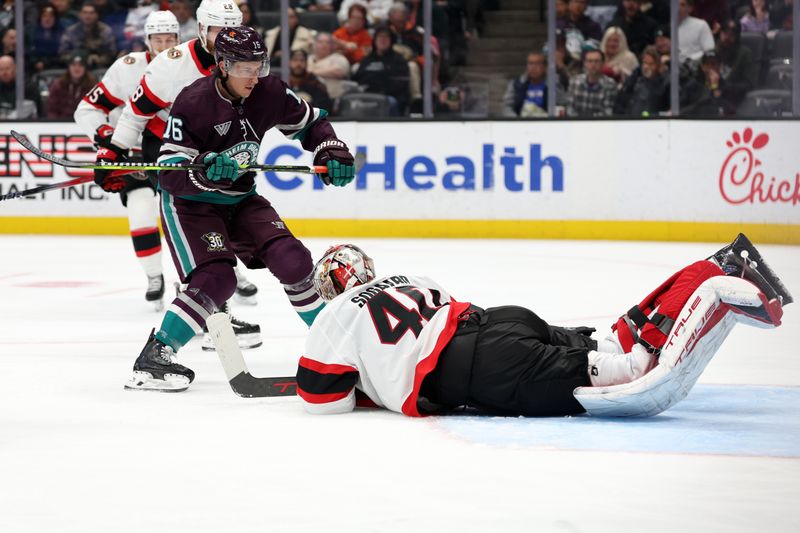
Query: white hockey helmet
x=341, y=268
x=161, y=22
x=221, y=13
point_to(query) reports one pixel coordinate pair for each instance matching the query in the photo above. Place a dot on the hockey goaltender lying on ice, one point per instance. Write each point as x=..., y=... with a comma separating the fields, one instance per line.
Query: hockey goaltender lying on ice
x=403, y=343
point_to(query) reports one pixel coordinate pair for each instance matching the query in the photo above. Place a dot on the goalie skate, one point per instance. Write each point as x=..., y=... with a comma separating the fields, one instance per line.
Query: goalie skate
x=742, y=259
x=248, y=335
x=156, y=370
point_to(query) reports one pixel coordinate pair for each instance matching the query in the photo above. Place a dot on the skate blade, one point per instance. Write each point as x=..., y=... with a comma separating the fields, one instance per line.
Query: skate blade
x=245, y=300
x=144, y=381
x=246, y=342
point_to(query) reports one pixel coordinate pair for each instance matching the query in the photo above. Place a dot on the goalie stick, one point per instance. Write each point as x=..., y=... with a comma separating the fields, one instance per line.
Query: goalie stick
x=360, y=159
x=241, y=381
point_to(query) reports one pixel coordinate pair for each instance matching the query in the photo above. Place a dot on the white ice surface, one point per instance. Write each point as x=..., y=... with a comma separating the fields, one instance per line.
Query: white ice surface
x=77, y=453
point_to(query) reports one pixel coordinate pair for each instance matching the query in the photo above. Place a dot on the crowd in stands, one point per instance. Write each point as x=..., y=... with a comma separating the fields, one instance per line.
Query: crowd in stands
x=612, y=65
x=372, y=46
x=728, y=50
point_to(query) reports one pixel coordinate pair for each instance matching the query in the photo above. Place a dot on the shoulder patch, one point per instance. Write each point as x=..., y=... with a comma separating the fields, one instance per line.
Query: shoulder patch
x=129, y=60
x=174, y=53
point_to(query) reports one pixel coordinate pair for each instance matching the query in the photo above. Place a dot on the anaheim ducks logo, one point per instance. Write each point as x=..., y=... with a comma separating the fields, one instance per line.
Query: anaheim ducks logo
x=244, y=153
x=174, y=53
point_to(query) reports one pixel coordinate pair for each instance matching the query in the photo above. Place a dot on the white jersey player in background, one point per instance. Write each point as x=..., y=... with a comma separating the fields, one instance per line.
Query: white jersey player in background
x=147, y=107
x=403, y=343
x=98, y=113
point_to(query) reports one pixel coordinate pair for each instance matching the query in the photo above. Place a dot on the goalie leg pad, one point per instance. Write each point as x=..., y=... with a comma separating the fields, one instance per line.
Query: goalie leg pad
x=700, y=329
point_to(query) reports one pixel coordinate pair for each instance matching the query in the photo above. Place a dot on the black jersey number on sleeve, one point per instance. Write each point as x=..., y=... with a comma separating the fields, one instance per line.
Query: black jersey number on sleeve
x=390, y=330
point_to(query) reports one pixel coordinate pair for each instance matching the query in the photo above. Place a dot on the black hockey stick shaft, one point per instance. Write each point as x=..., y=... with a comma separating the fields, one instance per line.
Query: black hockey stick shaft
x=45, y=188
x=137, y=165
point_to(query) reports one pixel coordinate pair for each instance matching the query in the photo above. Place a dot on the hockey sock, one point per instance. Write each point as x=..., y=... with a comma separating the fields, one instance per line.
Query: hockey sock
x=143, y=222
x=185, y=318
x=305, y=300
x=606, y=369
x=209, y=288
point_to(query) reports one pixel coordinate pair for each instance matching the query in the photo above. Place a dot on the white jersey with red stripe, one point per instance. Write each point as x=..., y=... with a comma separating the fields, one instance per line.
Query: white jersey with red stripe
x=103, y=104
x=166, y=75
x=382, y=339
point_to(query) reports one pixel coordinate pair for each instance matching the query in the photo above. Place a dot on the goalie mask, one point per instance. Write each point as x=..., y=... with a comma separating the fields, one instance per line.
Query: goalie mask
x=341, y=268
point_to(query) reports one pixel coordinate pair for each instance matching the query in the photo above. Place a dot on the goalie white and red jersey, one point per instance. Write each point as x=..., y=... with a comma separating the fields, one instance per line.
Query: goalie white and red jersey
x=379, y=339
x=165, y=76
x=105, y=102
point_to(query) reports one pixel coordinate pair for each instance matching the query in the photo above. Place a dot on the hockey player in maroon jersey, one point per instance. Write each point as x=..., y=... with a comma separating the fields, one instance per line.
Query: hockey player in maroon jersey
x=145, y=112
x=403, y=343
x=211, y=217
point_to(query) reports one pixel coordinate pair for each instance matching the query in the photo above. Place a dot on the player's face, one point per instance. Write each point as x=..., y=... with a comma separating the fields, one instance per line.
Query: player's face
x=243, y=77
x=162, y=41
x=211, y=35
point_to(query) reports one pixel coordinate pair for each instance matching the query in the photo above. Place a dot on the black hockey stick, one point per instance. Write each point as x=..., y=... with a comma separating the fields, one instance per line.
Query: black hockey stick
x=138, y=165
x=43, y=188
x=241, y=381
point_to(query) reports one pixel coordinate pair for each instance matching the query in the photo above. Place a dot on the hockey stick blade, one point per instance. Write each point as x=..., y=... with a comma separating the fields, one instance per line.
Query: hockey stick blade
x=360, y=159
x=241, y=381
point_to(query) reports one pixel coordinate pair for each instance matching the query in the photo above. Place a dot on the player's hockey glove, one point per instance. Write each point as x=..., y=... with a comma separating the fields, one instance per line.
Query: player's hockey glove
x=104, y=178
x=220, y=172
x=341, y=166
x=102, y=136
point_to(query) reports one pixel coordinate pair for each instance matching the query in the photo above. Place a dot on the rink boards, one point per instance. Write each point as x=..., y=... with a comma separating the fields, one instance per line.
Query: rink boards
x=618, y=180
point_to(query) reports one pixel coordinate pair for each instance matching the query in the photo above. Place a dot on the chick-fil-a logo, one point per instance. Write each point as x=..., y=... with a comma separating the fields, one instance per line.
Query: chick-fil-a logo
x=742, y=180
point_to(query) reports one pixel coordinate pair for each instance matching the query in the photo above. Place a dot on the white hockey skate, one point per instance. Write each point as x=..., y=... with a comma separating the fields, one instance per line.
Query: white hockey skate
x=247, y=335
x=155, y=292
x=245, y=291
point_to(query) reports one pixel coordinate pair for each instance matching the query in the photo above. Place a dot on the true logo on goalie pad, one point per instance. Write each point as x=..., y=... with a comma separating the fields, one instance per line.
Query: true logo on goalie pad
x=216, y=242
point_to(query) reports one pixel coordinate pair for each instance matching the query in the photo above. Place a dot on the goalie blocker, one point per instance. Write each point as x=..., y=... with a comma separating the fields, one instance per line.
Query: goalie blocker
x=403, y=343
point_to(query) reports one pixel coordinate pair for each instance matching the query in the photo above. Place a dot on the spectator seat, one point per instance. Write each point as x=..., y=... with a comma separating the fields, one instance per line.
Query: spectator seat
x=780, y=77
x=319, y=20
x=782, y=46
x=766, y=103
x=363, y=105
x=756, y=42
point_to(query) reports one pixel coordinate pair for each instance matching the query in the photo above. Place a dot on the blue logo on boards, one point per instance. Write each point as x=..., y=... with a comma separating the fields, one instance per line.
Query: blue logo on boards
x=420, y=173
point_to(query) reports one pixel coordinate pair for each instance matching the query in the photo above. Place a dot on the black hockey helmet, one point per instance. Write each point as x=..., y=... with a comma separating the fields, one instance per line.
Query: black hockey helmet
x=239, y=45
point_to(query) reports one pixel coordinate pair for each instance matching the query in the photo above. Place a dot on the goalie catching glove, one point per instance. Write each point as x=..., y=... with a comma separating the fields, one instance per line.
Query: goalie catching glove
x=104, y=178
x=336, y=157
x=220, y=172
